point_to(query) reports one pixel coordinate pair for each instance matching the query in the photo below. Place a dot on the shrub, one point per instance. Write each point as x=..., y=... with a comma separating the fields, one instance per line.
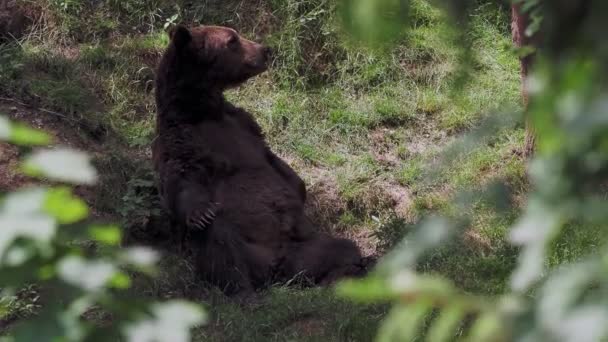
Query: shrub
x=78, y=266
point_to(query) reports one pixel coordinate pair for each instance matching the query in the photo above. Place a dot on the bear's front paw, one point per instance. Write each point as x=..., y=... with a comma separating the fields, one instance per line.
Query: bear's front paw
x=203, y=218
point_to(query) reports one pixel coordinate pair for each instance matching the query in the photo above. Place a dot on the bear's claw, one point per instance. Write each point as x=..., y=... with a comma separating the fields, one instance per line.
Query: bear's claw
x=201, y=220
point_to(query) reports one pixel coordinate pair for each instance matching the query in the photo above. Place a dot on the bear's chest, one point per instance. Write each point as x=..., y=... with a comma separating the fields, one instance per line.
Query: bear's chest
x=230, y=141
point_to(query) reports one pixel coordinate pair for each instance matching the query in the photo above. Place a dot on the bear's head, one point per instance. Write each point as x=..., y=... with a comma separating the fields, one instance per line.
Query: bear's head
x=218, y=55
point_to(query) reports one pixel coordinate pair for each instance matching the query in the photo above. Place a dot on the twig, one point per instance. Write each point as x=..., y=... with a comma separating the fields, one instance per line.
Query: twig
x=8, y=99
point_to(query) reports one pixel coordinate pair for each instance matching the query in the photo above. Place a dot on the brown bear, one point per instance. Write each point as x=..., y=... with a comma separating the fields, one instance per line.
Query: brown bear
x=240, y=205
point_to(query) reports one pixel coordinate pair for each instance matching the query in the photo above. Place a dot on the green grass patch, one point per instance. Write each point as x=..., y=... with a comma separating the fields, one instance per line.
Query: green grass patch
x=294, y=315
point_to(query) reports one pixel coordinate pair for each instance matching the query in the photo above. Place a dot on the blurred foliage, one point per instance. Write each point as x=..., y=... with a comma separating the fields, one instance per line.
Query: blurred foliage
x=568, y=173
x=374, y=21
x=46, y=240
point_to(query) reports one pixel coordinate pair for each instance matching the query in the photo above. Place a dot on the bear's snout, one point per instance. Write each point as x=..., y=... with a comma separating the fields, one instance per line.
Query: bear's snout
x=263, y=56
x=267, y=54
x=257, y=56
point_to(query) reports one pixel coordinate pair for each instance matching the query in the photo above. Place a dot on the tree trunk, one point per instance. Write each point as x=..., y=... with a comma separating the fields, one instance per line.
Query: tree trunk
x=519, y=23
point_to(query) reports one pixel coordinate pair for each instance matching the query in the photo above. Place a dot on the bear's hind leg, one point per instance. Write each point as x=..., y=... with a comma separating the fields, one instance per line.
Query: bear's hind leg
x=323, y=260
x=223, y=258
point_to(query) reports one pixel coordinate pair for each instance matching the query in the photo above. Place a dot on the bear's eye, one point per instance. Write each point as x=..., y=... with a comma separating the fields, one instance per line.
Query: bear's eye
x=233, y=41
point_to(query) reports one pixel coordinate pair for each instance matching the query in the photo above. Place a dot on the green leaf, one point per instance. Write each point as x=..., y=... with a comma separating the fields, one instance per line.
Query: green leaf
x=62, y=164
x=46, y=272
x=525, y=51
x=90, y=275
x=403, y=322
x=375, y=21
x=120, y=281
x=24, y=202
x=142, y=257
x=5, y=128
x=109, y=235
x=64, y=206
x=432, y=232
x=562, y=289
x=527, y=5
x=24, y=135
x=444, y=328
x=21, y=216
x=21, y=134
x=370, y=289
x=534, y=26
x=171, y=322
x=533, y=231
x=488, y=327
x=409, y=283
x=4, y=308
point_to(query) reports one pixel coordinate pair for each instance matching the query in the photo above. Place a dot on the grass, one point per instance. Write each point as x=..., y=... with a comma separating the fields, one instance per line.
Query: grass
x=294, y=315
x=361, y=126
x=278, y=314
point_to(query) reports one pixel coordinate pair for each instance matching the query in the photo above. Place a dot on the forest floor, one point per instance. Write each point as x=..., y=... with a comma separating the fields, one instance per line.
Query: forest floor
x=362, y=127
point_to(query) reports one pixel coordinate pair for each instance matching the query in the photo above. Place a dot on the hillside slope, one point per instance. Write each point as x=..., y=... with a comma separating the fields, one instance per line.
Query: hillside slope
x=361, y=126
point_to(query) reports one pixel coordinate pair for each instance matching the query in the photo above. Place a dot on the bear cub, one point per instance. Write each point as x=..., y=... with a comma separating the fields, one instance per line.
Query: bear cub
x=236, y=205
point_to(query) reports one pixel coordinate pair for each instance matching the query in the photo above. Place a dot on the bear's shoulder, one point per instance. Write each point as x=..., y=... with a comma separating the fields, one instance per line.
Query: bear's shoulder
x=244, y=118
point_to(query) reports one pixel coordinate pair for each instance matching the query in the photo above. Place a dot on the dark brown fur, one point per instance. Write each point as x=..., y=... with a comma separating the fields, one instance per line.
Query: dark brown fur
x=240, y=204
x=14, y=20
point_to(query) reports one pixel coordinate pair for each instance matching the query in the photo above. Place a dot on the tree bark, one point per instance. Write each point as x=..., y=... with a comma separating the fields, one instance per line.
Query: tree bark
x=519, y=23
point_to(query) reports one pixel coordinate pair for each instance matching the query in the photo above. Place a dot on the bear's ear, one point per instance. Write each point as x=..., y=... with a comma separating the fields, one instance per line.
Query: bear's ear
x=180, y=36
